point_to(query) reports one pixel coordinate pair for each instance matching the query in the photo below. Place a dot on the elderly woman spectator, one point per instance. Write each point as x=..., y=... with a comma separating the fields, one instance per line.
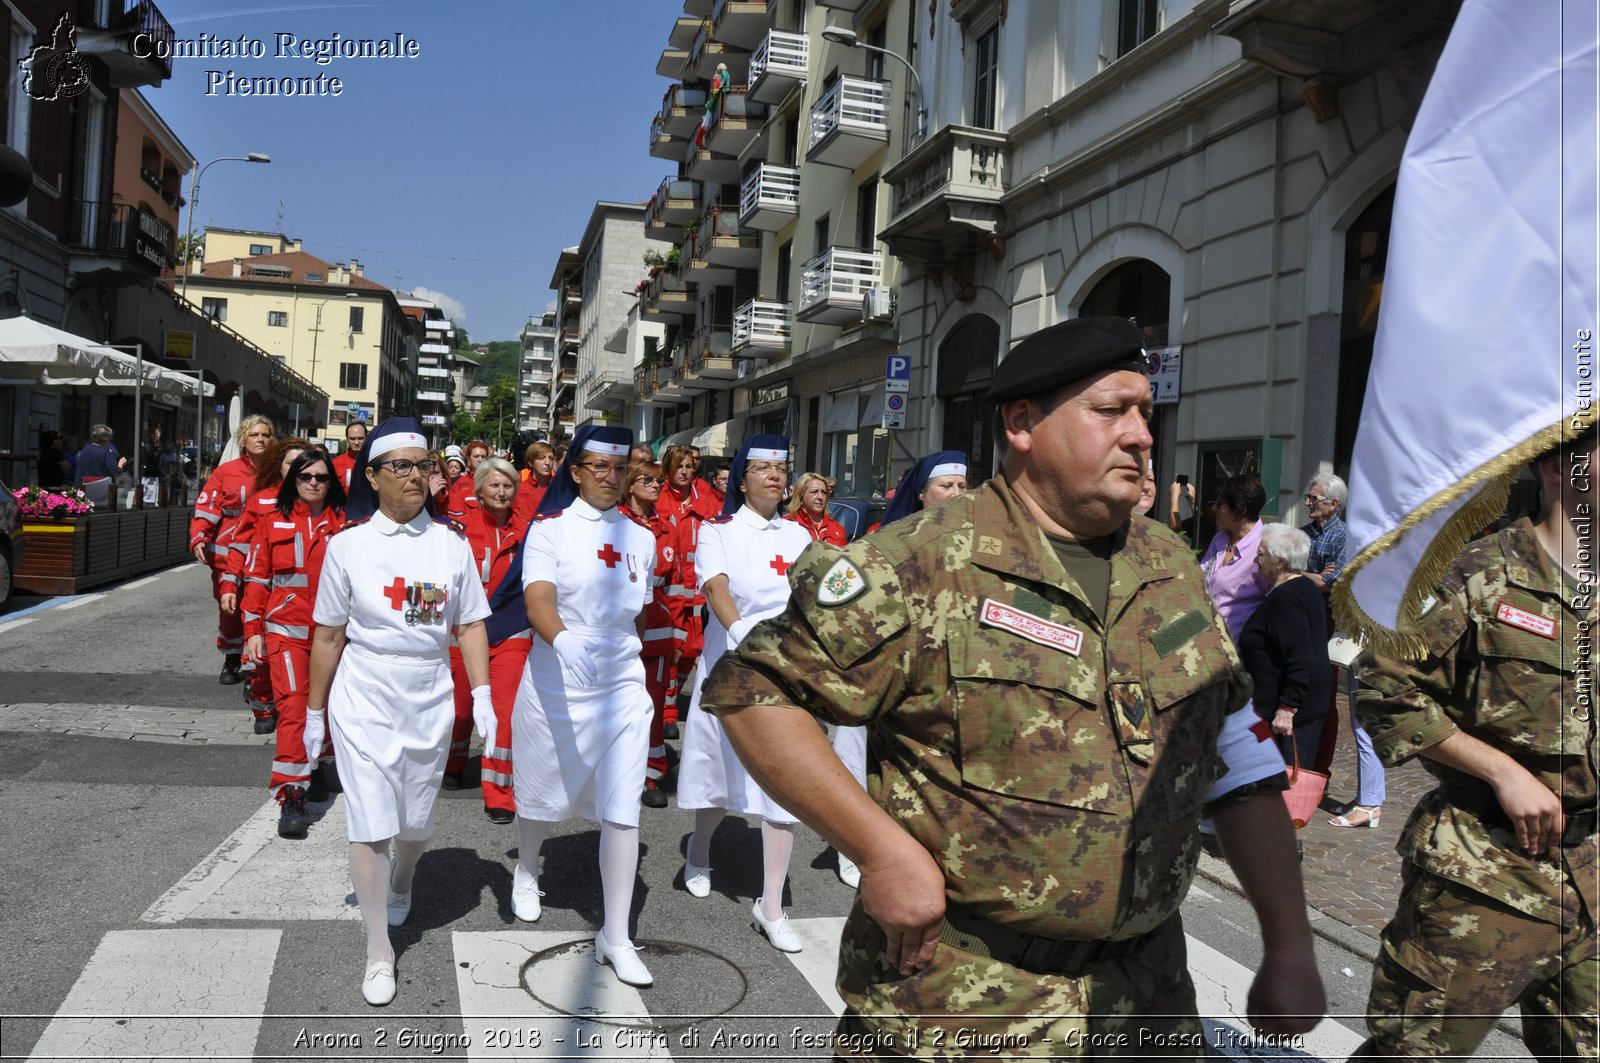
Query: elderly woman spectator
x=1284, y=644
x=1325, y=498
x=98, y=466
x=1229, y=562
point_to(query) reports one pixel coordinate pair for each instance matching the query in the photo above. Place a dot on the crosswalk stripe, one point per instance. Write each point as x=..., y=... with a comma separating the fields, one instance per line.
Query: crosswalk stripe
x=254, y=874
x=577, y=991
x=1220, y=986
x=818, y=962
x=127, y=1004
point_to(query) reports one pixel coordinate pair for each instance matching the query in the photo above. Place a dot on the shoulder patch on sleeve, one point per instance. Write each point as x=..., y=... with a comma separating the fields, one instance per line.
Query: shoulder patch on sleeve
x=453, y=524
x=347, y=525
x=548, y=516
x=841, y=584
x=721, y=518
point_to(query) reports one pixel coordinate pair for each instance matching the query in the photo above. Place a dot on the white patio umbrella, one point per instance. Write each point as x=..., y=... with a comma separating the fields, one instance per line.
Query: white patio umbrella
x=230, y=450
x=26, y=342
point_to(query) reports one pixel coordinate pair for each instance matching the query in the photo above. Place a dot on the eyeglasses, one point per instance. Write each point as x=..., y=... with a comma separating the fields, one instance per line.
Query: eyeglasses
x=601, y=470
x=403, y=468
x=314, y=477
x=761, y=468
x=656, y=480
x=1315, y=500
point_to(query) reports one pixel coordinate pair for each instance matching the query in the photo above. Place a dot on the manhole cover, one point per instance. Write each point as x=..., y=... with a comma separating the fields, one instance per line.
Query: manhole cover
x=692, y=984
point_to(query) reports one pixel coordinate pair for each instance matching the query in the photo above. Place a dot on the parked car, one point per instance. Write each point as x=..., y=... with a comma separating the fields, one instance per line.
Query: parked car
x=10, y=544
x=857, y=514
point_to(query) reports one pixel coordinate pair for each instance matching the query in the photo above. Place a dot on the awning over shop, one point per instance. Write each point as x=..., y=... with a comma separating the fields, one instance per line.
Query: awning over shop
x=678, y=439
x=720, y=440
x=26, y=342
x=872, y=412
x=844, y=413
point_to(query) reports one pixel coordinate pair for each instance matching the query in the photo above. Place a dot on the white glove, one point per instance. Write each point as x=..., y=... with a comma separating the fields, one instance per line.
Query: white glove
x=741, y=627
x=575, y=655
x=316, y=726
x=483, y=712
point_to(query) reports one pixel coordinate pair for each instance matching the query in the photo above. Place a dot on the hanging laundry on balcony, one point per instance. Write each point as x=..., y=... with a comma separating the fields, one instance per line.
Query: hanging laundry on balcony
x=721, y=81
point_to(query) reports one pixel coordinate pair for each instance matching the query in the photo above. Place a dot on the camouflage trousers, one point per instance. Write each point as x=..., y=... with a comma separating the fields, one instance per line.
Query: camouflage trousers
x=965, y=1006
x=1453, y=959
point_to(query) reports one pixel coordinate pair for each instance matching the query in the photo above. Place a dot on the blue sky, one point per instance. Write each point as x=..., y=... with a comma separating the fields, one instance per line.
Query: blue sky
x=463, y=171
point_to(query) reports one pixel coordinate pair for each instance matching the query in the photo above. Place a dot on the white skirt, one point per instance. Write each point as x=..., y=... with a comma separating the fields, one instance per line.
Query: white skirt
x=390, y=717
x=710, y=773
x=582, y=752
x=850, y=744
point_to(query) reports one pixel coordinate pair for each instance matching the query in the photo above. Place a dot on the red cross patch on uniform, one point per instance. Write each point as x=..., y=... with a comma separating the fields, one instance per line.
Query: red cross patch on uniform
x=1543, y=626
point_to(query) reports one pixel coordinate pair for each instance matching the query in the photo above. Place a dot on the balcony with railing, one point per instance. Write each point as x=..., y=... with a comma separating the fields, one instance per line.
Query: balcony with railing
x=778, y=65
x=739, y=22
x=738, y=121
x=118, y=243
x=681, y=108
x=946, y=194
x=433, y=396
x=762, y=329
x=721, y=241
x=667, y=297
x=439, y=326
x=675, y=204
x=708, y=363
x=672, y=61
x=434, y=349
x=710, y=167
x=435, y=372
x=769, y=198
x=706, y=53
x=699, y=8
x=128, y=20
x=683, y=31
x=834, y=284
x=568, y=338
x=849, y=123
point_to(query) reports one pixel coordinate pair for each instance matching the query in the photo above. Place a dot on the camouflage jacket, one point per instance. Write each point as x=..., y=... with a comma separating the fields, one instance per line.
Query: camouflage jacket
x=1502, y=666
x=1052, y=764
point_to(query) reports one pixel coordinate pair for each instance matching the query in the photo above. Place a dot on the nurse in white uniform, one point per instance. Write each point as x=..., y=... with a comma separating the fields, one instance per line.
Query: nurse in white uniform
x=742, y=562
x=393, y=587
x=580, y=731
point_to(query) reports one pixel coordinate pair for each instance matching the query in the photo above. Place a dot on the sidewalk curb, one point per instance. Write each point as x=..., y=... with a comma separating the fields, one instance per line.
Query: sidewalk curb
x=1324, y=926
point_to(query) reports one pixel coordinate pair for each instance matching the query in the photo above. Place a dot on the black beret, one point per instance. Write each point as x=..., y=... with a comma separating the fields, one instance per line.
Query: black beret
x=1065, y=353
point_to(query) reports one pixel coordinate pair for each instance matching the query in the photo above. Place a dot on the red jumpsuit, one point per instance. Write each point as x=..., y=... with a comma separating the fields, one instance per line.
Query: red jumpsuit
x=662, y=635
x=688, y=513
x=493, y=549
x=459, y=497
x=280, y=592
x=216, y=516
x=344, y=466
x=258, y=687
x=829, y=531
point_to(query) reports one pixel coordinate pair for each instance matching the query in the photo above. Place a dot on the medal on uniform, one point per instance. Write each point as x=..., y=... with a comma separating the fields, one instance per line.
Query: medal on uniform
x=633, y=575
x=413, y=614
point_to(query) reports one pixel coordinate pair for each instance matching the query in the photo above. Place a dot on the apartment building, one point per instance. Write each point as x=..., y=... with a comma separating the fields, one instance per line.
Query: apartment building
x=343, y=331
x=593, y=282
x=534, y=374
x=781, y=311
x=433, y=396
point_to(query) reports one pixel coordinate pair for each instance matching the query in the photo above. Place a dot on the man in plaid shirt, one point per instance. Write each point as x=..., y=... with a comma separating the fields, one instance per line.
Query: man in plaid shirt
x=1324, y=499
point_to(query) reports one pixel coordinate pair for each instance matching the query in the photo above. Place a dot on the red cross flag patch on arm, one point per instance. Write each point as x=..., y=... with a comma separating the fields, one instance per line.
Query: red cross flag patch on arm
x=1033, y=628
x=1539, y=625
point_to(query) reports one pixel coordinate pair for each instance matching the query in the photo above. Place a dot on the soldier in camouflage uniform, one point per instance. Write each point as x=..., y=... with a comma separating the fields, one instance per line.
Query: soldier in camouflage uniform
x=1043, y=714
x=1498, y=905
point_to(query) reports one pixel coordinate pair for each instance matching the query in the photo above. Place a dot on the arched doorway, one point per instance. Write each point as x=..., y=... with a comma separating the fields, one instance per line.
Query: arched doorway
x=967, y=358
x=1141, y=291
x=1366, y=250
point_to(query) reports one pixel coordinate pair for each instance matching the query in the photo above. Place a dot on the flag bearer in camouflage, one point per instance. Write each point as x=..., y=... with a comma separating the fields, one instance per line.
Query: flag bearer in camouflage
x=1498, y=904
x=1043, y=683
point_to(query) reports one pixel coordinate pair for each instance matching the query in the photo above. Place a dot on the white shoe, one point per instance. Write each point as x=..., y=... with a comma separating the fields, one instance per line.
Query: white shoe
x=849, y=873
x=778, y=931
x=378, y=986
x=697, y=880
x=624, y=959
x=525, y=896
x=399, y=904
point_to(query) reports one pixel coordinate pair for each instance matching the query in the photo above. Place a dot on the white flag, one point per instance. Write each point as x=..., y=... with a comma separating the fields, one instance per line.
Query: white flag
x=1485, y=347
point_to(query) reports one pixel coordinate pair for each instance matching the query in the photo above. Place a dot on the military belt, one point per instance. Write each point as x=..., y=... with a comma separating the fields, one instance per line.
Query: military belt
x=970, y=932
x=1580, y=823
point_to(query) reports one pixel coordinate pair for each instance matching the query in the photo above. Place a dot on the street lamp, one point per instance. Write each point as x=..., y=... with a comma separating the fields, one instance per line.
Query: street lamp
x=194, y=202
x=850, y=39
x=316, y=333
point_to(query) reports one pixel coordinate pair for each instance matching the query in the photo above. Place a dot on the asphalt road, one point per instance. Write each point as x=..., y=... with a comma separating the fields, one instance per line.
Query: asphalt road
x=153, y=913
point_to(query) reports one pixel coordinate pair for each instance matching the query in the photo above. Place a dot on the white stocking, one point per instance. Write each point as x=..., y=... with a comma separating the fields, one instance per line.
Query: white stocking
x=777, y=843
x=406, y=855
x=530, y=839
x=369, y=874
x=619, y=864
x=705, y=825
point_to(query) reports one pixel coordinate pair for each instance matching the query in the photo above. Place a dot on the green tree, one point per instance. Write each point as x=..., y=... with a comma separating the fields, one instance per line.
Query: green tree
x=189, y=250
x=498, y=418
x=465, y=427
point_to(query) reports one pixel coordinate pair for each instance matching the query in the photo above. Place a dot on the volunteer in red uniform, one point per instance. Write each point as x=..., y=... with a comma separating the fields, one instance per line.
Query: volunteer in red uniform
x=280, y=590
x=641, y=493
x=809, y=509
x=689, y=502
x=216, y=516
x=495, y=535
x=263, y=501
x=541, y=466
x=355, y=436
x=461, y=490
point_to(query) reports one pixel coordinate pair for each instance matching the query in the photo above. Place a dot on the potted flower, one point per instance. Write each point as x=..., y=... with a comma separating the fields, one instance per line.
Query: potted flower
x=57, y=540
x=52, y=503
